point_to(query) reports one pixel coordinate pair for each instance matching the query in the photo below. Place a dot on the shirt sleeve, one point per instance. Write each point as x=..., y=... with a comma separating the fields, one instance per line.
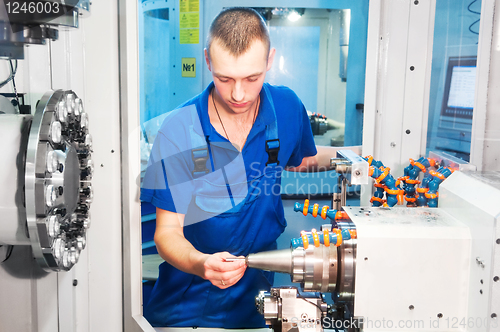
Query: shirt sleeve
x=167, y=183
x=305, y=146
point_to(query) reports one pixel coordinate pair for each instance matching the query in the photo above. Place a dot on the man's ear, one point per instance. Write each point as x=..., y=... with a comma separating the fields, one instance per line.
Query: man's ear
x=207, y=59
x=270, y=58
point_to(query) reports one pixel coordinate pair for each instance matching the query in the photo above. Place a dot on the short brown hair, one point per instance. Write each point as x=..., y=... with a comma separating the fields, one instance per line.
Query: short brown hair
x=236, y=28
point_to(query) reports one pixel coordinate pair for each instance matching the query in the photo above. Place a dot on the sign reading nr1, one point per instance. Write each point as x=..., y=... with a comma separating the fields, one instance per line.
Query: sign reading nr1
x=188, y=67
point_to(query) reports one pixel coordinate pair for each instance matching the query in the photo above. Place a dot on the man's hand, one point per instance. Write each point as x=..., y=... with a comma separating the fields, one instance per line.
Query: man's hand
x=180, y=253
x=321, y=161
x=221, y=273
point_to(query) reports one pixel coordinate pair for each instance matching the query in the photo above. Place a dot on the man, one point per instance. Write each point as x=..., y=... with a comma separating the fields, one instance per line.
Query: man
x=214, y=170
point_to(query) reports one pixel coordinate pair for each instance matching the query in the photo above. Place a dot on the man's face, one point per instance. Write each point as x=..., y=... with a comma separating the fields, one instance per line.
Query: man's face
x=238, y=80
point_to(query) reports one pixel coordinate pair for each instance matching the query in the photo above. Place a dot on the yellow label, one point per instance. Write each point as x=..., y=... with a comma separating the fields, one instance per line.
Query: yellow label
x=194, y=5
x=189, y=20
x=186, y=6
x=189, y=36
x=183, y=6
x=188, y=67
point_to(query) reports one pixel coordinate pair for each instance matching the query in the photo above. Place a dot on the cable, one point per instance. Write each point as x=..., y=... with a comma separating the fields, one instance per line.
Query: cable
x=314, y=304
x=473, y=12
x=470, y=27
x=13, y=71
x=11, y=76
x=8, y=253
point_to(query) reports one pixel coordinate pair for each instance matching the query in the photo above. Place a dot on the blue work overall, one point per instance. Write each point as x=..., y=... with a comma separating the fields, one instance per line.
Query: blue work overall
x=249, y=221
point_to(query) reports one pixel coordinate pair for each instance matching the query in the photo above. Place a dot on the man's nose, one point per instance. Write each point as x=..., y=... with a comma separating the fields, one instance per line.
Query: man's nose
x=238, y=92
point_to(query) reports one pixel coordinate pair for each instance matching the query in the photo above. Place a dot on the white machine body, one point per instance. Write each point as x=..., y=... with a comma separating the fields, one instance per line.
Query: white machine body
x=420, y=269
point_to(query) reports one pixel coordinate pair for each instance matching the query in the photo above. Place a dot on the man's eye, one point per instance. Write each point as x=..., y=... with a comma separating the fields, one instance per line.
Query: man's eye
x=252, y=79
x=223, y=80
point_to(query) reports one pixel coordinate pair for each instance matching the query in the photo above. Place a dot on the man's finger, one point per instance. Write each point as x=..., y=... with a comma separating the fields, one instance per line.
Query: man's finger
x=231, y=274
x=235, y=279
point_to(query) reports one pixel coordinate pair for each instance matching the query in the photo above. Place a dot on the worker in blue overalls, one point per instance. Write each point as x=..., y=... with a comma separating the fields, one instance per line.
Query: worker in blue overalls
x=214, y=177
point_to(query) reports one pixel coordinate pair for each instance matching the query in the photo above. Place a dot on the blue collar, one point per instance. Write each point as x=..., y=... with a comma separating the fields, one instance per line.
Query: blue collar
x=265, y=117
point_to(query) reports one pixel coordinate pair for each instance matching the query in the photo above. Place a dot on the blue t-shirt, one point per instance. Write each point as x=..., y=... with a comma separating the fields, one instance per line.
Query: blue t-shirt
x=231, y=201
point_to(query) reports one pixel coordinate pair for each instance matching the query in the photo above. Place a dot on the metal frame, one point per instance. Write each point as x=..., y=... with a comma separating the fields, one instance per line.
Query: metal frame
x=486, y=103
x=130, y=162
x=400, y=36
x=93, y=68
x=396, y=98
x=382, y=83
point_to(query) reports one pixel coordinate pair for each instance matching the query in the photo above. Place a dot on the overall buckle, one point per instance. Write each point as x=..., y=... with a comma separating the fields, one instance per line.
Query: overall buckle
x=200, y=157
x=272, y=149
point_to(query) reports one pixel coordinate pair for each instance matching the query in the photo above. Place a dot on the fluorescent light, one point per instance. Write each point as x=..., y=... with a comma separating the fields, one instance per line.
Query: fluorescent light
x=294, y=16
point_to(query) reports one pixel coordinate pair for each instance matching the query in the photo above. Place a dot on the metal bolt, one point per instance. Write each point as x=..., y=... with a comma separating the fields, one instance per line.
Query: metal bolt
x=412, y=68
x=440, y=315
x=408, y=131
x=416, y=2
x=480, y=291
x=393, y=145
x=75, y=282
x=498, y=241
x=411, y=307
x=357, y=173
x=493, y=315
x=496, y=278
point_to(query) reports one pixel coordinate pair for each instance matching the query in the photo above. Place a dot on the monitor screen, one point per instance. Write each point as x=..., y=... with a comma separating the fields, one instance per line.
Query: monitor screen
x=458, y=98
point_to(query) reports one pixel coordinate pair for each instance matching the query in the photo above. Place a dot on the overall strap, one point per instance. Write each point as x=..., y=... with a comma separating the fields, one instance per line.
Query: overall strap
x=272, y=140
x=200, y=152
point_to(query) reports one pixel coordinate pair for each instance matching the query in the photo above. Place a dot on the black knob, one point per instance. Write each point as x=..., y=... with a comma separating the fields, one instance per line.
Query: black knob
x=61, y=212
